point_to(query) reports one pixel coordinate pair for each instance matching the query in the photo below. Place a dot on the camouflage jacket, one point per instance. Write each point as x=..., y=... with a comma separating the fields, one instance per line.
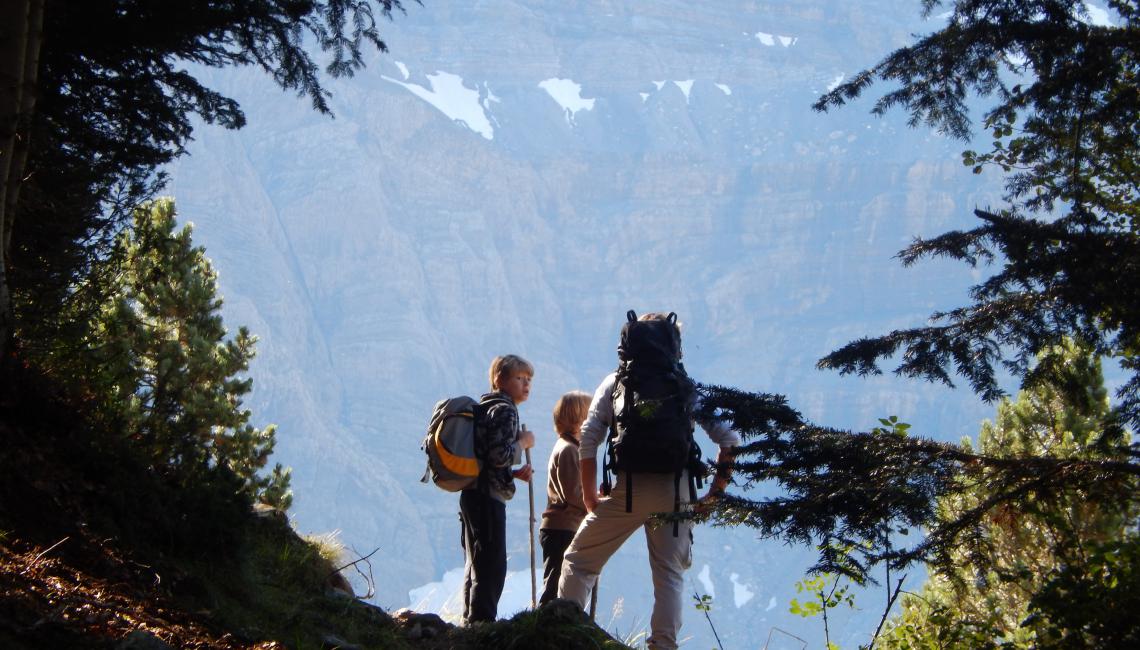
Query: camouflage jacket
x=496, y=444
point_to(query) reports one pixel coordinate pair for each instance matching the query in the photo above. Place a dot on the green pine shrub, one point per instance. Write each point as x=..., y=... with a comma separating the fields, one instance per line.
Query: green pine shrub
x=153, y=360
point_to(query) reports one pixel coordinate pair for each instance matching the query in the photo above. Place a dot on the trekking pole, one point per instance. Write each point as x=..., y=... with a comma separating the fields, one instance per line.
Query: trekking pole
x=594, y=596
x=530, y=488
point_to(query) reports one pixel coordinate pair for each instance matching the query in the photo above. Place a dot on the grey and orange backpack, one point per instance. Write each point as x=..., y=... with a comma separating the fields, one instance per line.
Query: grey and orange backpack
x=450, y=442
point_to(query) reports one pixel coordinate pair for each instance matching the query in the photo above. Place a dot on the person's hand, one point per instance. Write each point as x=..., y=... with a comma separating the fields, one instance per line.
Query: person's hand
x=523, y=473
x=705, y=503
x=713, y=494
x=590, y=501
x=526, y=438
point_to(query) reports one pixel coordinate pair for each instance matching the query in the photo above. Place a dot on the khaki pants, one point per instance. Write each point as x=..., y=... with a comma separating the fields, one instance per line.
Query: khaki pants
x=605, y=529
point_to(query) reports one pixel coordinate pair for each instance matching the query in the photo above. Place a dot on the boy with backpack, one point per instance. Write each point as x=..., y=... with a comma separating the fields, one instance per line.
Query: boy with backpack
x=499, y=444
x=647, y=406
x=564, y=508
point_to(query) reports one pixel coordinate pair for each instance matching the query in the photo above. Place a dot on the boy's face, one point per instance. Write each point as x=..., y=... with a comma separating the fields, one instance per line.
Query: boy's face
x=516, y=386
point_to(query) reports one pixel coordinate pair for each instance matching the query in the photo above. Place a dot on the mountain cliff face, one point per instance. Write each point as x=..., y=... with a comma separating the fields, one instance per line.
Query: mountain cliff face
x=515, y=176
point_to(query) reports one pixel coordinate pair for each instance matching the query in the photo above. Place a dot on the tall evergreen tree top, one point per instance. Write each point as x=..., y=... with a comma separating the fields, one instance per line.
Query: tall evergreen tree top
x=1064, y=90
x=1063, y=107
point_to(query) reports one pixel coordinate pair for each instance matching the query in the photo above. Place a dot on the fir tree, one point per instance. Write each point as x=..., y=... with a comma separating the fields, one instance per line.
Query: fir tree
x=857, y=496
x=1063, y=119
x=990, y=594
x=96, y=96
x=171, y=377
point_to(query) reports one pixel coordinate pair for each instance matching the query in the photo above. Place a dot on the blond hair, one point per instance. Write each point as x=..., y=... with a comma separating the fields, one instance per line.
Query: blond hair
x=569, y=412
x=504, y=366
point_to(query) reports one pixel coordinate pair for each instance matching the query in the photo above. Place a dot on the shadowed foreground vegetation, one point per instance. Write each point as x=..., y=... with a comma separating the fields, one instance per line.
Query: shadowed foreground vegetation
x=95, y=548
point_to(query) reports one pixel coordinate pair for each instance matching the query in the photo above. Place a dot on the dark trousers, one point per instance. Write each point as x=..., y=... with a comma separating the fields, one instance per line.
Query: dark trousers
x=554, y=543
x=485, y=554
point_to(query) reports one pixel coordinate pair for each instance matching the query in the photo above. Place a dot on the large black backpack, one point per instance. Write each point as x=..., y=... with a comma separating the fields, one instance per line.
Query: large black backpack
x=653, y=397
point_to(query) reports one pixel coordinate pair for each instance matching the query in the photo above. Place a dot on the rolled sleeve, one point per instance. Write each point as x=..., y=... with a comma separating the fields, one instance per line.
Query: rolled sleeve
x=598, y=420
x=720, y=432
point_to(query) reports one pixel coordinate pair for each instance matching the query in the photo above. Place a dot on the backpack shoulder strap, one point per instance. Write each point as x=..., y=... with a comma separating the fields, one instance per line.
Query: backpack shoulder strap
x=608, y=458
x=484, y=405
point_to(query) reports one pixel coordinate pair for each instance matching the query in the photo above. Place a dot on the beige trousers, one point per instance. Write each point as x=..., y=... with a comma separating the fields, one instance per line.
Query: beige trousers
x=605, y=529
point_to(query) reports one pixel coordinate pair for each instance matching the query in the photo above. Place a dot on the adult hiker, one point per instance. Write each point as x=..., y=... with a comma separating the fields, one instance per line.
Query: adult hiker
x=499, y=444
x=647, y=406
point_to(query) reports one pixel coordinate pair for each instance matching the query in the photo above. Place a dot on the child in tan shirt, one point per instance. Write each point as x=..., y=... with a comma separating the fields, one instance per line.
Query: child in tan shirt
x=564, y=507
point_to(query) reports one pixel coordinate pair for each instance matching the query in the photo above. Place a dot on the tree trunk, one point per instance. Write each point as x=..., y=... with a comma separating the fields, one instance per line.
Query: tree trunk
x=21, y=35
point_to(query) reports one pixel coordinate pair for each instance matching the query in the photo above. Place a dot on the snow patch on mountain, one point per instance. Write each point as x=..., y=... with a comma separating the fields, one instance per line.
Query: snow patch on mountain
x=445, y=596
x=771, y=40
x=706, y=581
x=568, y=94
x=686, y=87
x=451, y=96
x=488, y=98
x=741, y=593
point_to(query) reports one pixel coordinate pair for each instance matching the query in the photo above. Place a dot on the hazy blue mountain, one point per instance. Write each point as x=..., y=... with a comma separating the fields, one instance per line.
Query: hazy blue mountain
x=513, y=177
